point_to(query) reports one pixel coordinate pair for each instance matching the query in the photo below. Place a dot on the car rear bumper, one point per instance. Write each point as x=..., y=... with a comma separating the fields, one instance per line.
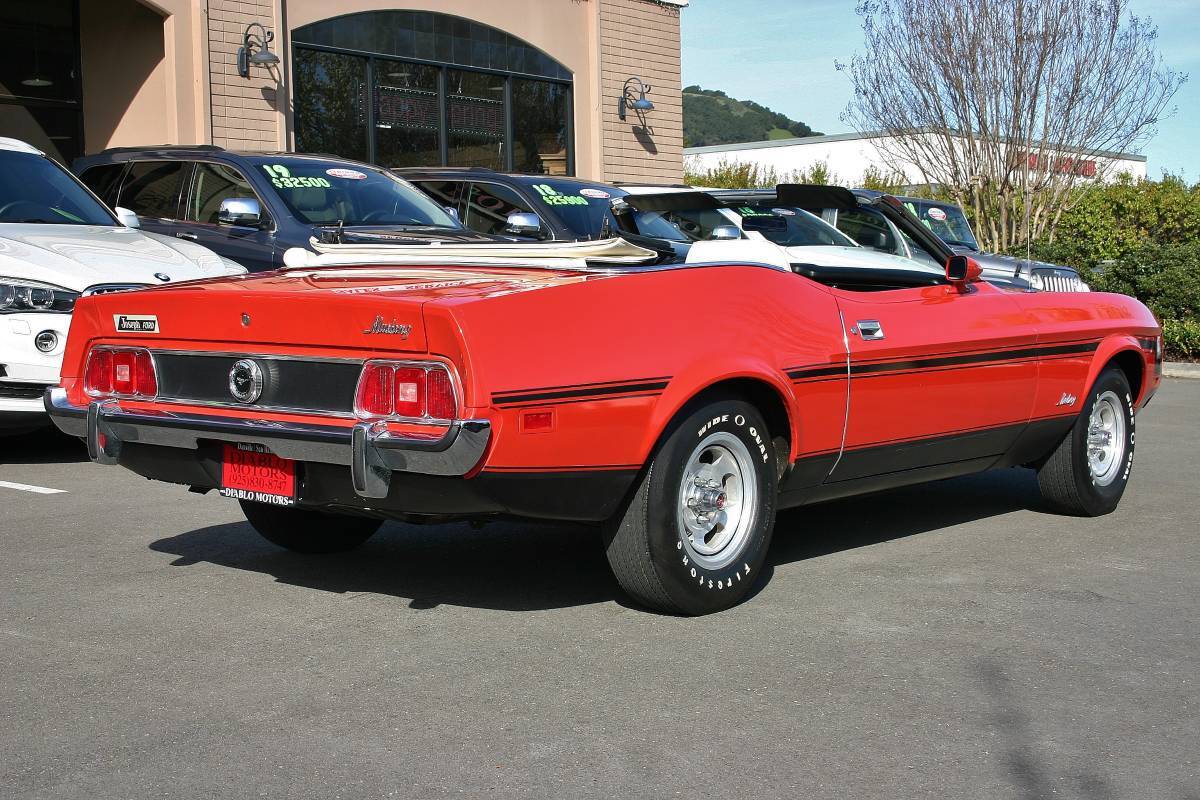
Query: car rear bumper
x=346, y=470
x=369, y=450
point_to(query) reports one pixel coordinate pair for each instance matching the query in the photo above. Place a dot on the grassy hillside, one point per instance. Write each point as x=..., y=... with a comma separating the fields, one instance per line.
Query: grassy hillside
x=712, y=117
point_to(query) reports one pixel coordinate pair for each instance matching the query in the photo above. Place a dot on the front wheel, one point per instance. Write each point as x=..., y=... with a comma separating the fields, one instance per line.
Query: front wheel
x=1088, y=471
x=695, y=534
x=306, y=531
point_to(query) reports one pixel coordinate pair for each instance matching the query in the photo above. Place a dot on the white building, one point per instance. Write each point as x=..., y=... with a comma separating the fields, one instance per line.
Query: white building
x=848, y=156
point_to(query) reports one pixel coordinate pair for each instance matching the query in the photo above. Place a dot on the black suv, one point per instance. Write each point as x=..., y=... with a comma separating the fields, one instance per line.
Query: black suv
x=550, y=207
x=252, y=207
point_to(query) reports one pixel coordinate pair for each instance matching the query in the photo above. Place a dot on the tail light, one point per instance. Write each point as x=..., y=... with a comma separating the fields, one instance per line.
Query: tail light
x=120, y=372
x=405, y=391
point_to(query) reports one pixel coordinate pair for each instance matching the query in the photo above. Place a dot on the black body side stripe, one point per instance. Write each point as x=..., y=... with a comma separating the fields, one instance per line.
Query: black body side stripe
x=581, y=393
x=974, y=358
x=867, y=368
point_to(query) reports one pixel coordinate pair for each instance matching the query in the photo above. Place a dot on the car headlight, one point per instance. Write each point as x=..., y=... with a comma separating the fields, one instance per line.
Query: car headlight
x=18, y=295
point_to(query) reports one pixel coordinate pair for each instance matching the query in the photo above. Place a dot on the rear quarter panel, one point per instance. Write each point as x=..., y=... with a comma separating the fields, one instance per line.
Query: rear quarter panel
x=615, y=356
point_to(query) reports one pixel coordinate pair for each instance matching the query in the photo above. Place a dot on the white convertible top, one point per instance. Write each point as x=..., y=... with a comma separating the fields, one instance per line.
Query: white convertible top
x=568, y=255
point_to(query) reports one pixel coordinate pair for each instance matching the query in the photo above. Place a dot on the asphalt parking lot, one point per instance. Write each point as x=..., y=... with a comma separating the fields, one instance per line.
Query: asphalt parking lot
x=949, y=640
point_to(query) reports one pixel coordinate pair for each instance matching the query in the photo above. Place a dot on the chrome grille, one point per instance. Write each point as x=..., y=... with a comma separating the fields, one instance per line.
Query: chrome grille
x=109, y=288
x=1057, y=280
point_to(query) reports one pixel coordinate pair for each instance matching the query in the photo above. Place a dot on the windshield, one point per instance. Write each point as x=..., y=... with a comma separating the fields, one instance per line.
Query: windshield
x=946, y=221
x=331, y=192
x=34, y=188
x=791, y=227
x=581, y=209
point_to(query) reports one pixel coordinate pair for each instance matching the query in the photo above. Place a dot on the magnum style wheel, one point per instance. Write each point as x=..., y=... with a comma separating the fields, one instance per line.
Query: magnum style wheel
x=1088, y=471
x=693, y=537
x=306, y=531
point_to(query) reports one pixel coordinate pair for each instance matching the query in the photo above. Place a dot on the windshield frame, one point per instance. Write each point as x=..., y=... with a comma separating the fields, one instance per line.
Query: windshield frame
x=920, y=209
x=109, y=216
x=418, y=199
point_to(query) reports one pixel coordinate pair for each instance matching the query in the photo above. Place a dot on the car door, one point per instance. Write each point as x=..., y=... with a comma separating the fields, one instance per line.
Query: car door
x=152, y=190
x=938, y=377
x=252, y=246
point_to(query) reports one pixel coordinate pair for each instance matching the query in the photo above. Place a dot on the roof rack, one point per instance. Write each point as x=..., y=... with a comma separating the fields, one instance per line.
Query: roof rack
x=162, y=147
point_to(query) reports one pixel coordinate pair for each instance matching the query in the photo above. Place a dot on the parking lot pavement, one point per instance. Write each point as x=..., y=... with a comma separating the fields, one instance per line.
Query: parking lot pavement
x=949, y=640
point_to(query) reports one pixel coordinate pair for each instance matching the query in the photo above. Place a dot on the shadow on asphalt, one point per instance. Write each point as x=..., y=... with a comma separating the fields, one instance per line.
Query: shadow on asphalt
x=46, y=445
x=524, y=566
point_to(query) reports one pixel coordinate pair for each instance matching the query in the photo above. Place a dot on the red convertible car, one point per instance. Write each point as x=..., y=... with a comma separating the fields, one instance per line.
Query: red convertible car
x=677, y=405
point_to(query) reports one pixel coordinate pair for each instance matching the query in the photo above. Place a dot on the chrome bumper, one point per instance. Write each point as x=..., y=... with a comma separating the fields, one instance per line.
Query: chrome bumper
x=368, y=449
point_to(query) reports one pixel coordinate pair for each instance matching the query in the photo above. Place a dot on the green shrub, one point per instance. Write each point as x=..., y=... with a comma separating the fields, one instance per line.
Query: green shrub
x=1181, y=338
x=1166, y=277
x=749, y=175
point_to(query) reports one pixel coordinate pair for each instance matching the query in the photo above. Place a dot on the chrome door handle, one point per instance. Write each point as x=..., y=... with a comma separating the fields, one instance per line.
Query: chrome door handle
x=191, y=237
x=869, y=329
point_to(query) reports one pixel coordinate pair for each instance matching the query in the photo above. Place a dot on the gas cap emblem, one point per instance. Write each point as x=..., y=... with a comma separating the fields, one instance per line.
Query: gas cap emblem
x=245, y=380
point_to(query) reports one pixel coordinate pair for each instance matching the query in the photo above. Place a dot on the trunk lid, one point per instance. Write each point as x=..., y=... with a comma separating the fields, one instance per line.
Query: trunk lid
x=359, y=308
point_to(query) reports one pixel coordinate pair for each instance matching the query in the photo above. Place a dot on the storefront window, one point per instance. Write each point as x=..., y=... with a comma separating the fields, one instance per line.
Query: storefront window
x=418, y=88
x=331, y=113
x=475, y=119
x=406, y=114
x=540, y=132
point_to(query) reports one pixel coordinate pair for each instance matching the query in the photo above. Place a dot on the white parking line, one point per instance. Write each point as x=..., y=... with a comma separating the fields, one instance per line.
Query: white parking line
x=25, y=487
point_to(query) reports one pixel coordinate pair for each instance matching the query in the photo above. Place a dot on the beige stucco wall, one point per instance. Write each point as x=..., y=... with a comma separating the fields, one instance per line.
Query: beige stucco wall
x=144, y=81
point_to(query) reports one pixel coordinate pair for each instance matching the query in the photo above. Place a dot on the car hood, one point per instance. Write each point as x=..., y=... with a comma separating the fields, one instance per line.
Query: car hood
x=834, y=256
x=76, y=257
x=1008, y=265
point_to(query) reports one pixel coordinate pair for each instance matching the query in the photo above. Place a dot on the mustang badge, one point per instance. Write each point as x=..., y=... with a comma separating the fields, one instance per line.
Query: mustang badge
x=394, y=328
x=1066, y=399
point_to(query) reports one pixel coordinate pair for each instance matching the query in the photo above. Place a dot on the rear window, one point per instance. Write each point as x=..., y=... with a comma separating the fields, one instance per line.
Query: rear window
x=152, y=188
x=103, y=180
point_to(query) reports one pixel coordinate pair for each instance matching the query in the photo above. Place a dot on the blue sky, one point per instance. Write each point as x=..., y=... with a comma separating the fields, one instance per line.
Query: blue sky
x=781, y=53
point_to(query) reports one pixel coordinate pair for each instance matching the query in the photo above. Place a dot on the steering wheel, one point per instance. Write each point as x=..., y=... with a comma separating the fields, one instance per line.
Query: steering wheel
x=7, y=207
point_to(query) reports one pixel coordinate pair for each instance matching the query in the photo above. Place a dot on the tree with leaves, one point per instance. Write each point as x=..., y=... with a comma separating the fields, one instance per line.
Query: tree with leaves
x=1000, y=102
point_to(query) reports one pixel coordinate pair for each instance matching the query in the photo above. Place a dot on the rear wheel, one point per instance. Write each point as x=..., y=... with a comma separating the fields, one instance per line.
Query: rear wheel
x=1087, y=473
x=694, y=536
x=306, y=531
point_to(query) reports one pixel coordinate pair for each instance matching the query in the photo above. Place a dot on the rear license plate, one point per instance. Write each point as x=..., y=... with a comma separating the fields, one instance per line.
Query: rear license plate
x=251, y=472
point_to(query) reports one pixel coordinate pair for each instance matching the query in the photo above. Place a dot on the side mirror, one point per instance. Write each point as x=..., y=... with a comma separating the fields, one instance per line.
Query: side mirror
x=127, y=217
x=725, y=232
x=961, y=270
x=452, y=211
x=244, y=211
x=523, y=223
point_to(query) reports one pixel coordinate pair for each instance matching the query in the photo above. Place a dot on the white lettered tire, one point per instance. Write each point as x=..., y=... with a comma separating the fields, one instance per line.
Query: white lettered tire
x=1087, y=473
x=694, y=536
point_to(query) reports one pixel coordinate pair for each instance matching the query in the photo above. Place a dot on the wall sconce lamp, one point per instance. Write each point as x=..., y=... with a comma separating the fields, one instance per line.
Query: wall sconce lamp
x=255, y=51
x=638, y=103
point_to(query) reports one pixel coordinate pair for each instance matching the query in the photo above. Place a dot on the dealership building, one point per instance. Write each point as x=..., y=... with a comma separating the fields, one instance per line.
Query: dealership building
x=584, y=87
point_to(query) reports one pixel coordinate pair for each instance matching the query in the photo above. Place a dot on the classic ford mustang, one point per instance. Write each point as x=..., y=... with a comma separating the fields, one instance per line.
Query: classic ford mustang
x=678, y=406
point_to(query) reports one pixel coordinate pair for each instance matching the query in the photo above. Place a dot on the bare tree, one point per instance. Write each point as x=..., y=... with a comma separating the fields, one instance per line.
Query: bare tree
x=1005, y=104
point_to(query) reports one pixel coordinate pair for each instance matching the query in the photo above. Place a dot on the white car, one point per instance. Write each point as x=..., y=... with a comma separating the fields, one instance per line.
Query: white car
x=57, y=243
x=695, y=222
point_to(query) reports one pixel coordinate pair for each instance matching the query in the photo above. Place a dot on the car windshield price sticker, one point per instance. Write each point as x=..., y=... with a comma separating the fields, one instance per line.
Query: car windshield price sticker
x=551, y=197
x=250, y=472
x=282, y=178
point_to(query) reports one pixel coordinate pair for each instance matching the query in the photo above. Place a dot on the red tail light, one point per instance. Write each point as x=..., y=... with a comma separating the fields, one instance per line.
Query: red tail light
x=404, y=390
x=120, y=372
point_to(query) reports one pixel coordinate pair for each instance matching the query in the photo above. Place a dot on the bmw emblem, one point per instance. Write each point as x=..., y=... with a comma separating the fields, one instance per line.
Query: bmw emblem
x=162, y=276
x=245, y=380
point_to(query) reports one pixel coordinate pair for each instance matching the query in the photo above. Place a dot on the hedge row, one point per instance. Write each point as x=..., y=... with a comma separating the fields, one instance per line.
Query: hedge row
x=1140, y=238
